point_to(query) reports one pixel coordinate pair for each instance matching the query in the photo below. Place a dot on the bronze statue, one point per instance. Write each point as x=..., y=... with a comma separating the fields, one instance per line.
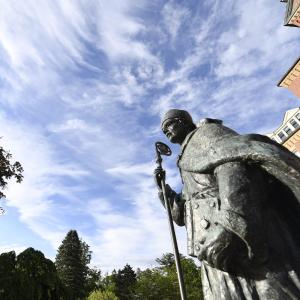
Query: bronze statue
x=240, y=206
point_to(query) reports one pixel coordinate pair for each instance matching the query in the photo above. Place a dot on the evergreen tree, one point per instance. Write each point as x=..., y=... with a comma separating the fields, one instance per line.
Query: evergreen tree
x=92, y=276
x=8, y=278
x=71, y=265
x=125, y=281
x=29, y=276
x=38, y=277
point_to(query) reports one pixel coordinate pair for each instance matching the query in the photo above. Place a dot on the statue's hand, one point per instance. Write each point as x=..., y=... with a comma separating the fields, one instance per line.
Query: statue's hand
x=159, y=175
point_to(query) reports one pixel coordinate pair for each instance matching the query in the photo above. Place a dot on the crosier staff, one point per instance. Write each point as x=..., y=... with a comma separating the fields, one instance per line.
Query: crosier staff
x=163, y=149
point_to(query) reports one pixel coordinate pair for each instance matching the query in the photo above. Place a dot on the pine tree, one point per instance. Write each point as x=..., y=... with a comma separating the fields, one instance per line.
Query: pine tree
x=125, y=281
x=8, y=278
x=72, y=265
x=29, y=276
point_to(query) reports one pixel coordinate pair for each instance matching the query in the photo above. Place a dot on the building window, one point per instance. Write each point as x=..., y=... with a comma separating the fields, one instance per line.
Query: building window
x=282, y=136
x=294, y=123
x=298, y=116
x=288, y=130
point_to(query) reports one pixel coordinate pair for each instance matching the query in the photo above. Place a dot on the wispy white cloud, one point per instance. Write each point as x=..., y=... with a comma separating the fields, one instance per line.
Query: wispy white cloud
x=80, y=129
x=135, y=229
x=174, y=15
x=70, y=125
x=83, y=85
x=37, y=197
x=222, y=72
x=118, y=30
x=250, y=47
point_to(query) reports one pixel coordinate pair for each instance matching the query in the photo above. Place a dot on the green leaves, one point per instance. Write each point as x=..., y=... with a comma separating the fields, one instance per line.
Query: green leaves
x=32, y=276
x=125, y=281
x=8, y=170
x=28, y=276
x=8, y=277
x=71, y=265
x=158, y=283
x=102, y=295
x=161, y=283
x=72, y=260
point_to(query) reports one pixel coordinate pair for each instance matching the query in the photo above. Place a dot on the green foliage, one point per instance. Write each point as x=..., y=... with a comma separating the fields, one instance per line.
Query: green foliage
x=71, y=265
x=72, y=260
x=167, y=260
x=29, y=276
x=86, y=256
x=8, y=276
x=92, y=276
x=102, y=295
x=37, y=276
x=192, y=275
x=152, y=284
x=92, y=280
x=108, y=283
x=161, y=283
x=125, y=281
x=8, y=170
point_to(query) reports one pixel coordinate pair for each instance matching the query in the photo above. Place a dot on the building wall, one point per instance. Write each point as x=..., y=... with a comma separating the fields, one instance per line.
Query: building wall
x=292, y=15
x=293, y=143
x=291, y=79
x=296, y=4
x=288, y=133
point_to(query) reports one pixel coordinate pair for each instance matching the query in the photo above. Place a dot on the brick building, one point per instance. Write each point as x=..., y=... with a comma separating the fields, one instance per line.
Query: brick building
x=291, y=79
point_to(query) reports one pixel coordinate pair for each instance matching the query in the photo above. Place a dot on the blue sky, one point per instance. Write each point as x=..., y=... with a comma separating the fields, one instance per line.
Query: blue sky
x=83, y=85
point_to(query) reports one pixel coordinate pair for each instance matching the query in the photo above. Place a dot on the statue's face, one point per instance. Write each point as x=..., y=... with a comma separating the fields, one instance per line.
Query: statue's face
x=175, y=130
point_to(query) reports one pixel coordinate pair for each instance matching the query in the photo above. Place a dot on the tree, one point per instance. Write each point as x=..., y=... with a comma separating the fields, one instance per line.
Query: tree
x=125, y=280
x=71, y=261
x=167, y=260
x=92, y=280
x=8, y=278
x=38, y=278
x=108, y=282
x=192, y=275
x=102, y=295
x=86, y=256
x=152, y=284
x=8, y=170
x=29, y=276
x=161, y=283
x=92, y=276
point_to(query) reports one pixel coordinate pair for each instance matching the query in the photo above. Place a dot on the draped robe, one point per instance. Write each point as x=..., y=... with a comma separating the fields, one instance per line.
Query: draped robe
x=240, y=207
